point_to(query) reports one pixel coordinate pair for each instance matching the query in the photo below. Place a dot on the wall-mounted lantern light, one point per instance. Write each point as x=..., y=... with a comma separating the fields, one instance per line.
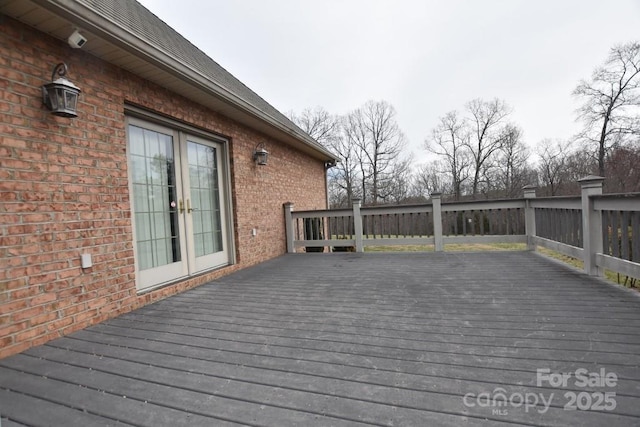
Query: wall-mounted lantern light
x=61, y=96
x=260, y=155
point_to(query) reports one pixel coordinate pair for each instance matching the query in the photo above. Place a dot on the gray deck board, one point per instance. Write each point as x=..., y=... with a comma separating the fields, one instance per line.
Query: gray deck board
x=343, y=339
x=433, y=341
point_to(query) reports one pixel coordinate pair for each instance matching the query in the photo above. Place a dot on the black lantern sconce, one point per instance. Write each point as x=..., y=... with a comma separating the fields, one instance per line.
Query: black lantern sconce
x=329, y=164
x=260, y=155
x=61, y=96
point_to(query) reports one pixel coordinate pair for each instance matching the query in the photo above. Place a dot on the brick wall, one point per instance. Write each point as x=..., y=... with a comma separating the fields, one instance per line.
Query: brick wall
x=64, y=191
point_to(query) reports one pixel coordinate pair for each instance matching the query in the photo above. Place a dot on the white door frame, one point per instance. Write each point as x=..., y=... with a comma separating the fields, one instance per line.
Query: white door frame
x=189, y=264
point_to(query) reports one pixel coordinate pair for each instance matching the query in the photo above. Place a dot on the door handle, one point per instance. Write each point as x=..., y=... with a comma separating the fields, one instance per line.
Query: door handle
x=180, y=206
x=189, y=208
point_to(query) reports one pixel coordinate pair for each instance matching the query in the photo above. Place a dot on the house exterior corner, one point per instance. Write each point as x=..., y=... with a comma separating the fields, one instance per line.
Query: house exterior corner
x=144, y=176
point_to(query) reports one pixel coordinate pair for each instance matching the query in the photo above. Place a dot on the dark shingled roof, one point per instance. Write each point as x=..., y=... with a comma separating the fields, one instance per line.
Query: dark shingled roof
x=139, y=21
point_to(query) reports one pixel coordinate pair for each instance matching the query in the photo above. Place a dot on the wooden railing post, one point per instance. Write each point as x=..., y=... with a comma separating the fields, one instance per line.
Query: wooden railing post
x=357, y=224
x=288, y=227
x=530, y=216
x=591, y=224
x=436, y=200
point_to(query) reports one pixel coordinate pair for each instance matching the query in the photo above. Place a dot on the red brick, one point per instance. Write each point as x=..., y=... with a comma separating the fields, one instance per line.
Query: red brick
x=68, y=312
x=43, y=278
x=30, y=333
x=42, y=299
x=13, y=306
x=23, y=293
x=43, y=318
x=60, y=324
x=27, y=314
x=5, y=318
x=7, y=347
x=13, y=328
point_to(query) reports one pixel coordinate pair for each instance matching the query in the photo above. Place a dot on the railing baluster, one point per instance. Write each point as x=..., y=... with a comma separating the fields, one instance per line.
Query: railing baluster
x=616, y=235
x=387, y=225
x=520, y=229
x=384, y=228
x=375, y=224
x=455, y=223
x=569, y=228
x=492, y=218
x=635, y=239
x=411, y=223
x=298, y=229
x=626, y=235
x=464, y=223
x=474, y=224
x=506, y=222
x=606, y=238
x=580, y=230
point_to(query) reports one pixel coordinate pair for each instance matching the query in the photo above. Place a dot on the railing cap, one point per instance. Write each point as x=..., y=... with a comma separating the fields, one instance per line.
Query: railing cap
x=591, y=179
x=529, y=191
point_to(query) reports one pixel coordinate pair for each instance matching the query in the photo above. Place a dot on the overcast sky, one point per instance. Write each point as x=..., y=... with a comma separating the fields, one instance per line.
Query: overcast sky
x=425, y=57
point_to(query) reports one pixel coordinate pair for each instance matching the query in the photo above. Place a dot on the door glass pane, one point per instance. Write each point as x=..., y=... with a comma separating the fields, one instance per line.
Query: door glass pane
x=205, y=199
x=154, y=197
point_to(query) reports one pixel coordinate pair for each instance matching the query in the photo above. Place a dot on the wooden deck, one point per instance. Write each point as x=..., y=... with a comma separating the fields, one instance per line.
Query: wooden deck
x=347, y=339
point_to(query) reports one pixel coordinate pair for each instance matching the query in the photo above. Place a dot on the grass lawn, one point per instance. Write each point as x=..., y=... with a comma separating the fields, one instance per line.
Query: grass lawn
x=612, y=276
x=470, y=247
x=609, y=275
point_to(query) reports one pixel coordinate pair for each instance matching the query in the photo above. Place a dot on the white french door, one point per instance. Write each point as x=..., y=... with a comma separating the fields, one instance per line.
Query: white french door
x=178, y=203
x=204, y=205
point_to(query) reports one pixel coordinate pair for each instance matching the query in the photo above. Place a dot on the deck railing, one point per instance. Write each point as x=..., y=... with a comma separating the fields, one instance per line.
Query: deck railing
x=602, y=230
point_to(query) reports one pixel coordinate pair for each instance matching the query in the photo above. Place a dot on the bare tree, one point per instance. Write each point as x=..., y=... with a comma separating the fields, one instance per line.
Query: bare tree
x=623, y=169
x=611, y=100
x=429, y=178
x=553, y=159
x=486, y=119
x=379, y=143
x=329, y=130
x=318, y=124
x=398, y=188
x=512, y=171
x=356, y=138
x=345, y=178
x=450, y=141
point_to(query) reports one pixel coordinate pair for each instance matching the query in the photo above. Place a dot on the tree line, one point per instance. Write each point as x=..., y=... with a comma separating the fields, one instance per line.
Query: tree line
x=478, y=152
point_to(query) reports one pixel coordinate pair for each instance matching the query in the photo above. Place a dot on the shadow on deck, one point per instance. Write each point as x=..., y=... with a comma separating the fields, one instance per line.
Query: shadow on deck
x=348, y=339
